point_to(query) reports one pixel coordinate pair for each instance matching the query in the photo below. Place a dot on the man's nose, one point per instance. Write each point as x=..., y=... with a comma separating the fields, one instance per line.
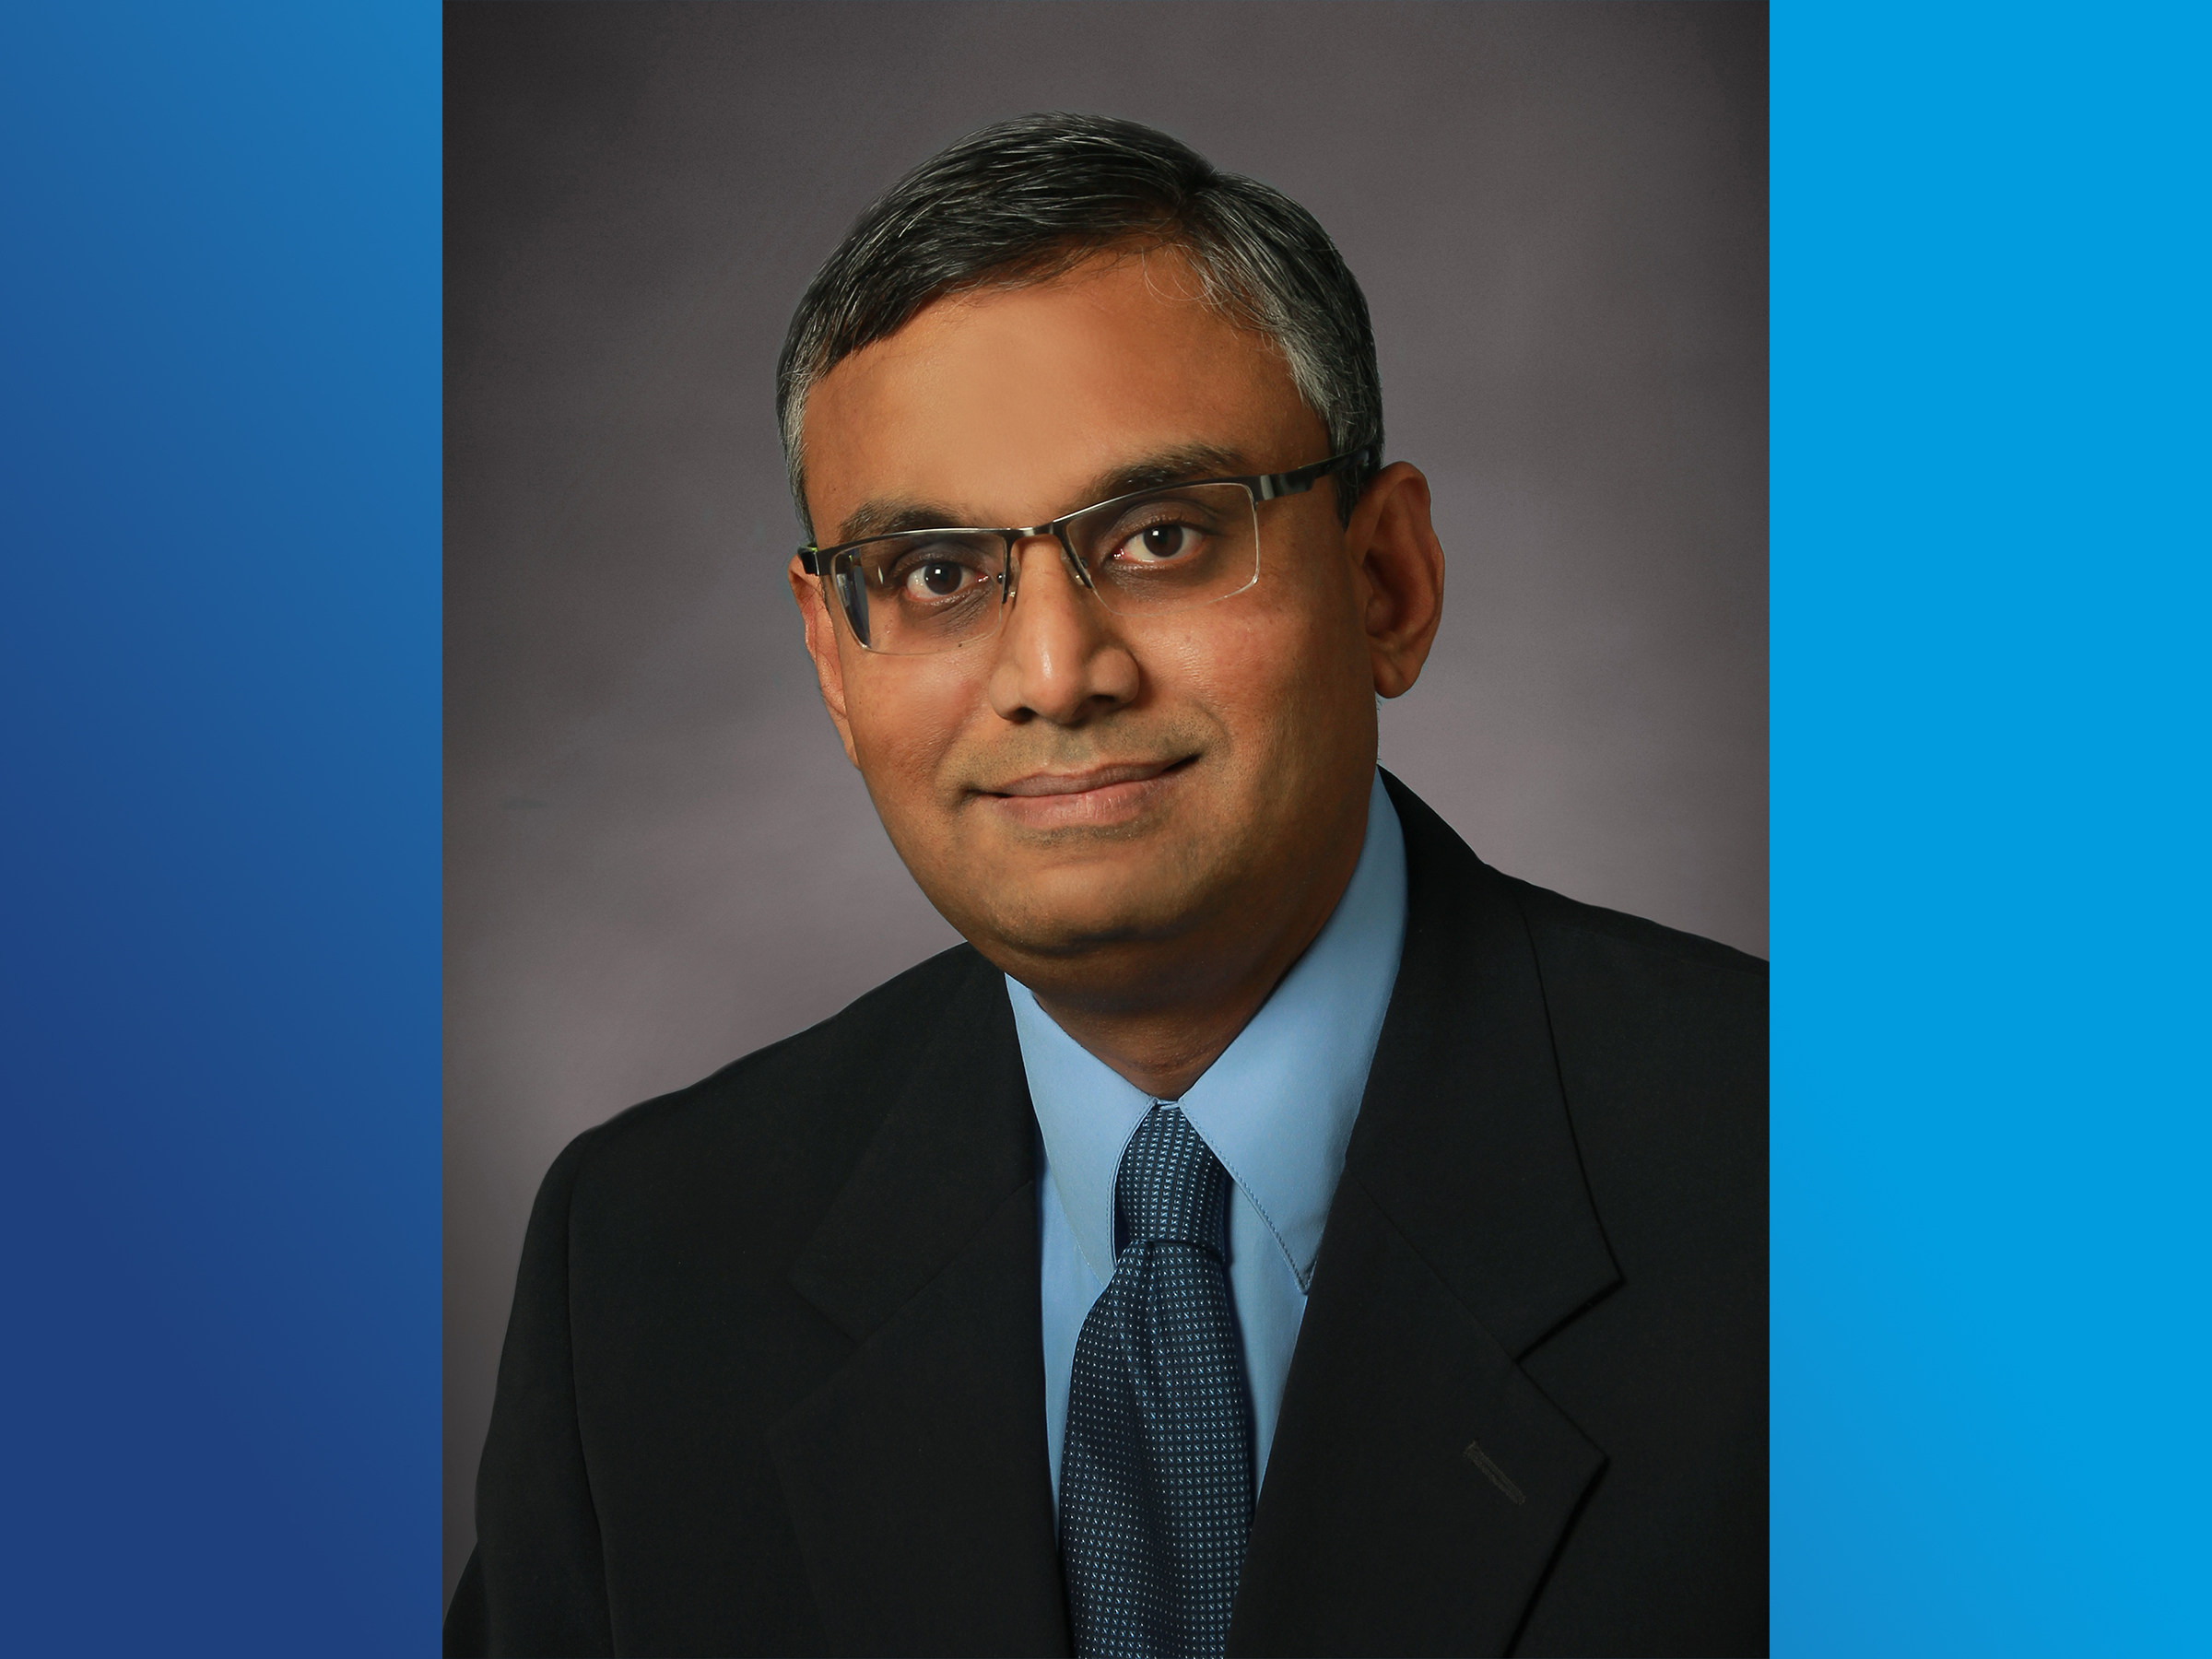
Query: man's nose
x=1059, y=659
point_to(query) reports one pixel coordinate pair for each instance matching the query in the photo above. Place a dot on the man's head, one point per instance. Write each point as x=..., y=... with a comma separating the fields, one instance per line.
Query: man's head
x=1123, y=803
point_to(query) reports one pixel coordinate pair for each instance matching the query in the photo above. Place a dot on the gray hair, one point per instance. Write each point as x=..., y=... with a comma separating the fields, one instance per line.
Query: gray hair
x=1026, y=200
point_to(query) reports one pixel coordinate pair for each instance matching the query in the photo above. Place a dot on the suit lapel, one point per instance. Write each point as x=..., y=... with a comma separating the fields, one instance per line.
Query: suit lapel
x=916, y=1475
x=1419, y=1484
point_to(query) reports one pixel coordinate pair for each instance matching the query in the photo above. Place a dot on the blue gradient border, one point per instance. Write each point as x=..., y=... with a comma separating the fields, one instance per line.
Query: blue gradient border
x=219, y=655
x=218, y=664
x=1990, y=613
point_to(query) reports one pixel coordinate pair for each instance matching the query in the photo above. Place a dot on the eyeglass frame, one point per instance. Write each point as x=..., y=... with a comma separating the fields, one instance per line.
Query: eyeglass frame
x=1263, y=486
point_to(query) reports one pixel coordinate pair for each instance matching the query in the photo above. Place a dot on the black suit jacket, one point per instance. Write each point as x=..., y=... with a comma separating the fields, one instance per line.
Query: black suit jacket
x=773, y=1381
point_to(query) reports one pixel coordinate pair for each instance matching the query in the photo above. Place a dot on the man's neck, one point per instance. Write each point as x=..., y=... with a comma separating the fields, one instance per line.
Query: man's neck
x=1163, y=1047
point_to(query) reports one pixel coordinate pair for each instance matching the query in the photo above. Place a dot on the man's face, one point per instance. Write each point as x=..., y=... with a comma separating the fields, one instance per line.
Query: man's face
x=1110, y=806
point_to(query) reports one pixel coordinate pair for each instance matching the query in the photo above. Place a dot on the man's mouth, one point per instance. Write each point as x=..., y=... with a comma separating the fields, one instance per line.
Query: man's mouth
x=1096, y=796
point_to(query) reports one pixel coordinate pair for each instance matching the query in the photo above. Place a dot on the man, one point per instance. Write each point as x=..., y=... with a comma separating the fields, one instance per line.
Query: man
x=1275, y=1232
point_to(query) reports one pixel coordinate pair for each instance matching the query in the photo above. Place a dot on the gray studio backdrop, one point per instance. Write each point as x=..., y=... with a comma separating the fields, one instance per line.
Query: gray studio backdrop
x=658, y=858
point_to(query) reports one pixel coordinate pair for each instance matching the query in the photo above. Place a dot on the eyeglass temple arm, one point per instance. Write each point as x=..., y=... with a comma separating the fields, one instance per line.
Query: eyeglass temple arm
x=1272, y=485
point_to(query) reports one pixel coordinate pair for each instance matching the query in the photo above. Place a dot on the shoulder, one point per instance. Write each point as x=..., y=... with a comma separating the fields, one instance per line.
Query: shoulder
x=1657, y=1038
x=1660, y=1042
x=1589, y=938
x=1587, y=958
x=775, y=1131
x=1645, y=1010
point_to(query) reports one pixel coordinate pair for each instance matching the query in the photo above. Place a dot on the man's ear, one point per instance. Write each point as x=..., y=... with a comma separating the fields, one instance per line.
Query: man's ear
x=1400, y=565
x=821, y=645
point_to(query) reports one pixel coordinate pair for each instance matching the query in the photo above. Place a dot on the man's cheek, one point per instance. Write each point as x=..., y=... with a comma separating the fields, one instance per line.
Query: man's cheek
x=905, y=753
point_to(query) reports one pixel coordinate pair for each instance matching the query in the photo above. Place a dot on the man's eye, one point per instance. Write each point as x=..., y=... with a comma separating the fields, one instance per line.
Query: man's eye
x=938, y=579
x=1158, y=543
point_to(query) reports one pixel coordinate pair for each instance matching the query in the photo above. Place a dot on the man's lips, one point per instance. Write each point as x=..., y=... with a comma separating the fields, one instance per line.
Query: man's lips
x=1083, y=783
x=1097, y=797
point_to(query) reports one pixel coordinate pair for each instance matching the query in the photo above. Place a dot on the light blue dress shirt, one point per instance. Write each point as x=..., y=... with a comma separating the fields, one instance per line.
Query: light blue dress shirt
x=1277, y=1109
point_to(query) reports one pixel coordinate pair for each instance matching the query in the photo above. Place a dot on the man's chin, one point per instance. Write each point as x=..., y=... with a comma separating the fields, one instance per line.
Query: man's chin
x=1085, y=921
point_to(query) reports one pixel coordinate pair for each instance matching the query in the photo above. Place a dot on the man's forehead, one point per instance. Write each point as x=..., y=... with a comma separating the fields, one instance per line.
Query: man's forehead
x=1011, y=403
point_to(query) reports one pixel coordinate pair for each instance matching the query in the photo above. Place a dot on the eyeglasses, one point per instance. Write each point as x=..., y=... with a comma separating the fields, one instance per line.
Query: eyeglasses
x=1185, y=545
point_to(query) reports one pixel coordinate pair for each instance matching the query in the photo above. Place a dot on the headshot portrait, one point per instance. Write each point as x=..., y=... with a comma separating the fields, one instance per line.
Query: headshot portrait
x=1105, y=864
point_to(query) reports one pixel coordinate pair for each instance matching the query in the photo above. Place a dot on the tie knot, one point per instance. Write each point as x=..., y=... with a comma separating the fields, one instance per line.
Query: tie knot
x=1171, y=1189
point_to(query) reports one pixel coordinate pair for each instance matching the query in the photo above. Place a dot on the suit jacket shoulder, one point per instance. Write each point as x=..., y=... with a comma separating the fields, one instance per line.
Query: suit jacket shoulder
x=1555, y=913
x=1661, y=1043
x=696, y=1272
x=806, y=1102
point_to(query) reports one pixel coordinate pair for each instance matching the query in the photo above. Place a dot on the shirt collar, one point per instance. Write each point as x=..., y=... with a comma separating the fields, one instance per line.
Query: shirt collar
x=1277, y=1107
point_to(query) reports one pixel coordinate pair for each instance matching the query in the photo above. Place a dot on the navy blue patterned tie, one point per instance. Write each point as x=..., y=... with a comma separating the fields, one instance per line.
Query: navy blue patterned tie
x=1155, y=1473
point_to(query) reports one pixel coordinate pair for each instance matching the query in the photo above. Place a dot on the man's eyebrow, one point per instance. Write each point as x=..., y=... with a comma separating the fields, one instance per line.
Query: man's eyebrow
x=889, y=518
x=1177, y=465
